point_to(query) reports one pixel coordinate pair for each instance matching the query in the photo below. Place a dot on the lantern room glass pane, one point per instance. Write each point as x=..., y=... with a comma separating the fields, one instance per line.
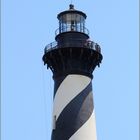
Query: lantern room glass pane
x=71, y=22
x=71, y=16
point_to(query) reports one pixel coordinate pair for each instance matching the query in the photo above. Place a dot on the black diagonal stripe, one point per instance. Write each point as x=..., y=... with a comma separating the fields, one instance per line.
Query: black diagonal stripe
x=74, y=115
x=57, y=83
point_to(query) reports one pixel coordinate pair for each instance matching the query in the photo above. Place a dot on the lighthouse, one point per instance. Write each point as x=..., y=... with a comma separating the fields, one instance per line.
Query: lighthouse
x=72, y=58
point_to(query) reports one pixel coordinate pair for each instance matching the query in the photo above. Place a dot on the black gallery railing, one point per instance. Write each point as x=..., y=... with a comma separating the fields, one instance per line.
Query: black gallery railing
x=73, y=43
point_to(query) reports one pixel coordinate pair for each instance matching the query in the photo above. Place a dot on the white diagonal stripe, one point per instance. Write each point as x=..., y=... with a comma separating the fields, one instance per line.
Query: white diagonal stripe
x=87, y=131
x=68, y=90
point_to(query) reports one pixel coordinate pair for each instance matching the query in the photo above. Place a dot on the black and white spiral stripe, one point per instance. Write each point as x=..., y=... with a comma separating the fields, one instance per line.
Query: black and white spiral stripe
x=73, y=111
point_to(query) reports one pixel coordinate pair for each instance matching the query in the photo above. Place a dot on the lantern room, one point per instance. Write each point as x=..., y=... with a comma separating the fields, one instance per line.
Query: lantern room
x=71, y=20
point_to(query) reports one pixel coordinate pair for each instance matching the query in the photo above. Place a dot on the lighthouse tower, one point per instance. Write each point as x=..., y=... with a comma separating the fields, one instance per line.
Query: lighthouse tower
x=72, y=58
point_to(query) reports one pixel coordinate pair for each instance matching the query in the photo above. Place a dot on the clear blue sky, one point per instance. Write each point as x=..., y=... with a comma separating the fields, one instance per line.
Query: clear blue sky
x=27, y=86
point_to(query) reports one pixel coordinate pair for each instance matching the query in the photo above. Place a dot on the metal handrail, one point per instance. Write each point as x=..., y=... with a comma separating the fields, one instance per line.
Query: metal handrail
x=72, y=28
x=85, y=44
x=50, y=46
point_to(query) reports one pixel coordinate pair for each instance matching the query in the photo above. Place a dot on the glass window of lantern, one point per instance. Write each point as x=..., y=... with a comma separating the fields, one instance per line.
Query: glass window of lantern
x=62, y=24
x=71, y=22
